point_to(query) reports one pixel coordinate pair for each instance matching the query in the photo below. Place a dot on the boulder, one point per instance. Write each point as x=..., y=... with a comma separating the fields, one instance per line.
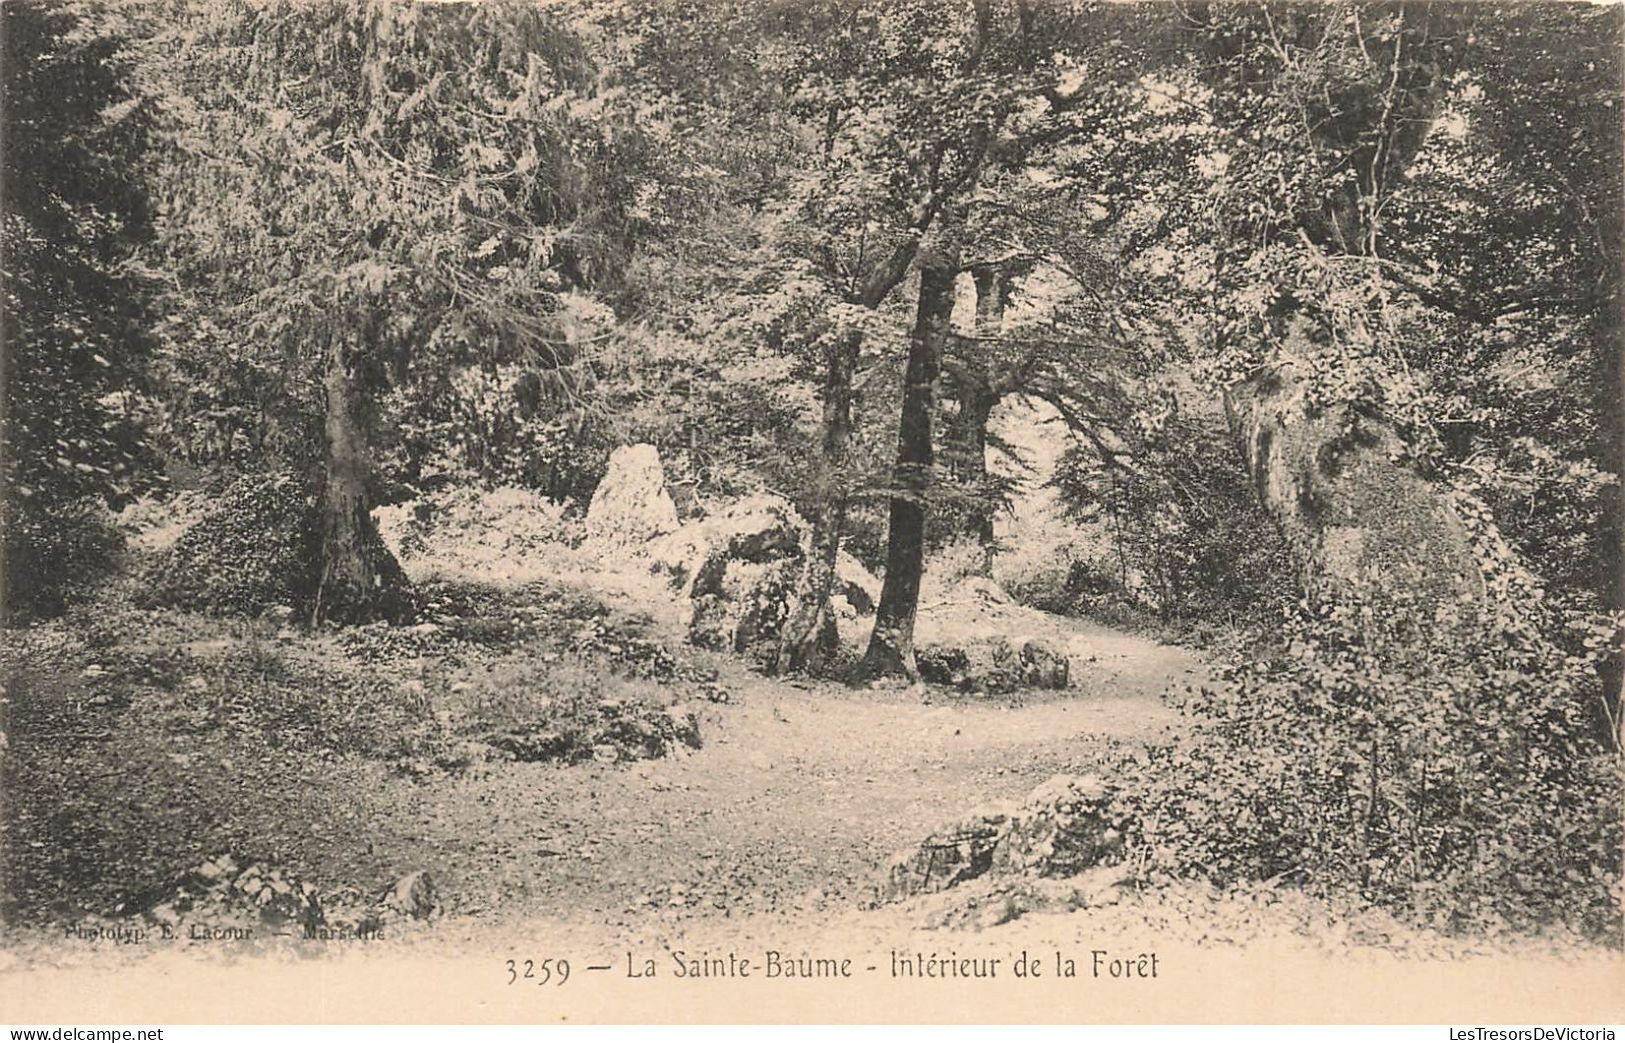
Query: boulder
x=1063, y=828
x=631, y=505
x=741, y=567
x=1042, y=666
x=738, y=568
x=743, y=605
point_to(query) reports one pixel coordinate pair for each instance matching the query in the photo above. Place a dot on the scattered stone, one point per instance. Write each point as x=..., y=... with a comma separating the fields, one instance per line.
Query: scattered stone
x=413, y=895
x=994, y=665
x=222, y=900
x=1062, y=828
x=629, y=730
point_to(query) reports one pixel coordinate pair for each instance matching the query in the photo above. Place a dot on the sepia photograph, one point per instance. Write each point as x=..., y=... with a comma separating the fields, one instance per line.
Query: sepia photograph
x=812, y=511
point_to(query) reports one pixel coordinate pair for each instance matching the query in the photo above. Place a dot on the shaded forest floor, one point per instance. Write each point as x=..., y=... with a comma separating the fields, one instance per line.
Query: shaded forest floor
x=140, y=743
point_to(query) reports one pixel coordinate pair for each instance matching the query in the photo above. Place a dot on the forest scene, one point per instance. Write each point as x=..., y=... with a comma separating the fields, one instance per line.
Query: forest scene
x=697, y=466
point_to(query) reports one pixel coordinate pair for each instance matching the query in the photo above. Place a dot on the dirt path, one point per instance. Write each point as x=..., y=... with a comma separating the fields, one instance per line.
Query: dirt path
x=799, y=795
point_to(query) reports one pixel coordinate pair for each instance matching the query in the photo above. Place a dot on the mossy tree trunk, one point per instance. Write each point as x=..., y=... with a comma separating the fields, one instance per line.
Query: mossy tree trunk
x=359, y=579
x=1333, y=479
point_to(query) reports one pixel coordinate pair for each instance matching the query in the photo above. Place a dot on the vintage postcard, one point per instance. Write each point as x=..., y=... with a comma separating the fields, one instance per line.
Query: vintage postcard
x=812, y=511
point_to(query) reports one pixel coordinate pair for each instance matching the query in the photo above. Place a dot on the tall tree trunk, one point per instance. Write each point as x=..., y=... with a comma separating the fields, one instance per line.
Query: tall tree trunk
x=978, y=395
x=810, y=638
x=359, y=579
x=975, y=408
x=1613, y=698
x=891, y=647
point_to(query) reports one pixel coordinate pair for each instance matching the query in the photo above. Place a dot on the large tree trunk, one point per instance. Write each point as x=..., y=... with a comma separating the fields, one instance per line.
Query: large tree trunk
x=891, y=647
x=810, y=638
x=359, y=579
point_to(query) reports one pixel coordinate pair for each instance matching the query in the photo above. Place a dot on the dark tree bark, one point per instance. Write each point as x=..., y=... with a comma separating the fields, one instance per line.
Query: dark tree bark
x=811, y=636
x=359, y=579
x=891, y=647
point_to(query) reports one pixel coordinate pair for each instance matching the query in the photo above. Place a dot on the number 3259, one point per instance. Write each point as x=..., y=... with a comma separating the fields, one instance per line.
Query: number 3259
x=539, y=971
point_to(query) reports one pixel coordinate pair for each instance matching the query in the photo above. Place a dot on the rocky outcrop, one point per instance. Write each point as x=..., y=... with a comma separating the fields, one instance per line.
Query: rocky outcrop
x=759, y=530
x=994, y=665
x=739, y=570
x=1062, y=828
x=631, y=505
x=960, y=852
x=1336, y=481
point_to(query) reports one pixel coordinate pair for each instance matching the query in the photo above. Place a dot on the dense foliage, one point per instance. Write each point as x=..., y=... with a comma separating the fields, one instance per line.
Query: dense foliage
x=390, y=252
x=76, y=327
x=1446, y=770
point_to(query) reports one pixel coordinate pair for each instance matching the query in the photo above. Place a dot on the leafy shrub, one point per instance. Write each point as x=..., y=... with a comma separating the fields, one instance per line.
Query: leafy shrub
x=254, y=548
x=503, y=426
x=1438, y=763
x=1186, y=523
x=53, y=558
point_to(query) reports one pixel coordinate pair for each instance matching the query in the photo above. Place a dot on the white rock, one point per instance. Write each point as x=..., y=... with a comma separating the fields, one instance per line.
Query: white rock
x=631, y=505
